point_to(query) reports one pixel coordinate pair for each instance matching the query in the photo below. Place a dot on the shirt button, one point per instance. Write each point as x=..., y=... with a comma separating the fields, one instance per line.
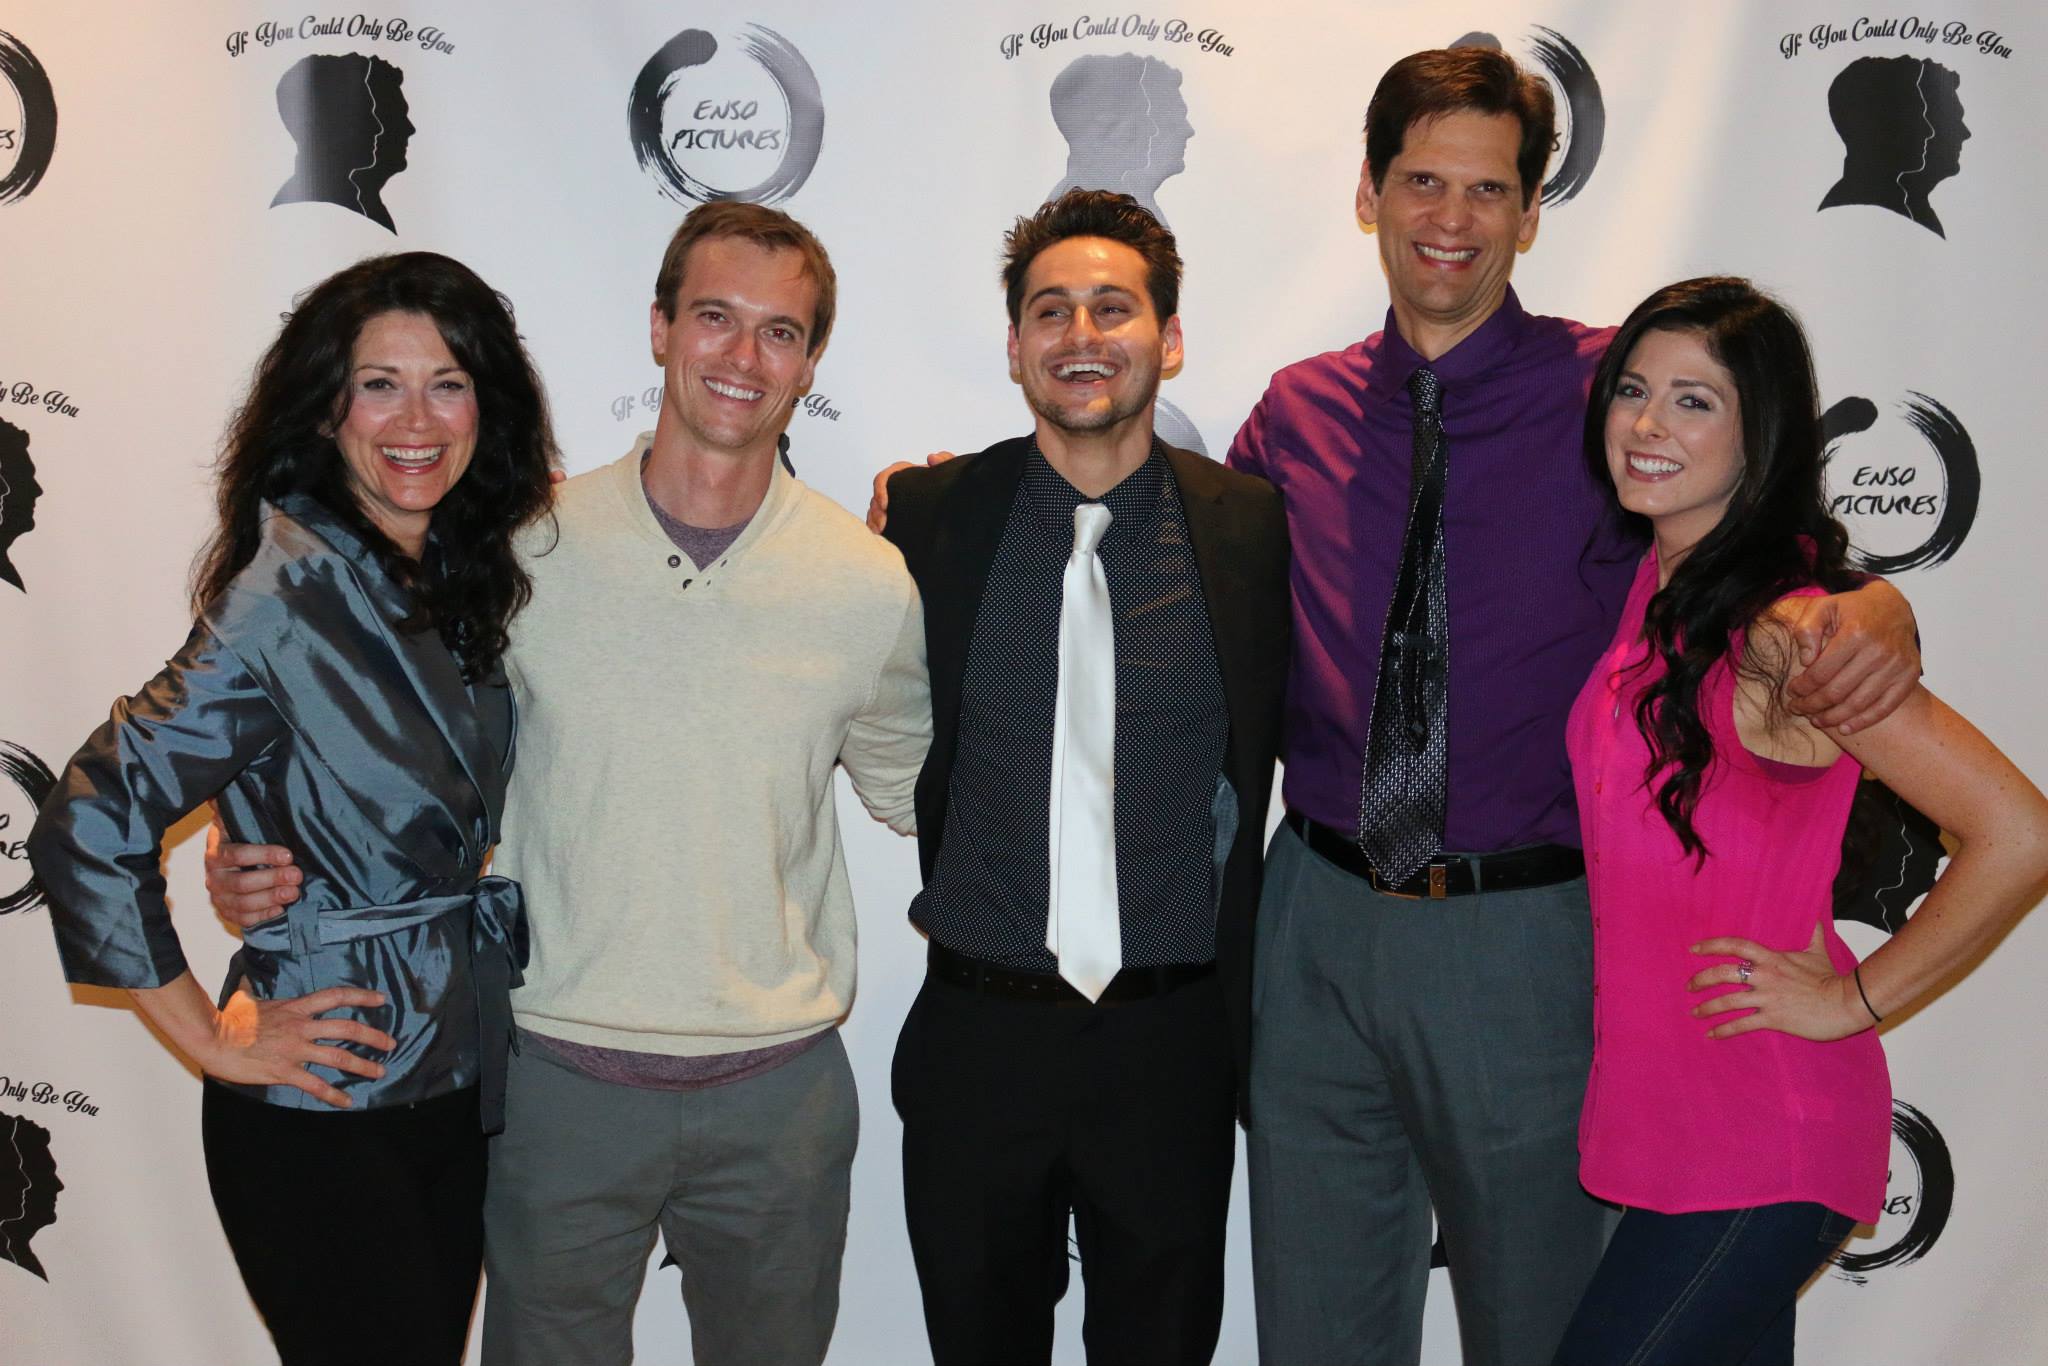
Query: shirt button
x=675, y=562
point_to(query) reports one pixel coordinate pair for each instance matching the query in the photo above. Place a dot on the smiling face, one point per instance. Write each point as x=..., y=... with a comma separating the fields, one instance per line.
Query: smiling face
x=735, y=358
x=410, y=429
x=1674, y=437
x=1450, y=220
x=1088, y=346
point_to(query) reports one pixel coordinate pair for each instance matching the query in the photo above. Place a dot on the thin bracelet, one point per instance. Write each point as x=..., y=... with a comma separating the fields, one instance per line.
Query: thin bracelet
x=1866, y=996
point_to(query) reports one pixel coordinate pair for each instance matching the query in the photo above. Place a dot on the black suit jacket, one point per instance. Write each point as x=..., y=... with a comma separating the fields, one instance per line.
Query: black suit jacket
x=948, y=521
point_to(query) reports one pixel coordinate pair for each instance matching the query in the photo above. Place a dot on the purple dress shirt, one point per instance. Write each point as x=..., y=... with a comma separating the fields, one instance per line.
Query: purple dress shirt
x=1538, y=562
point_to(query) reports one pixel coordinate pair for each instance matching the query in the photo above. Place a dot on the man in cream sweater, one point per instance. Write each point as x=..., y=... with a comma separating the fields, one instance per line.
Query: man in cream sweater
x=707, y=640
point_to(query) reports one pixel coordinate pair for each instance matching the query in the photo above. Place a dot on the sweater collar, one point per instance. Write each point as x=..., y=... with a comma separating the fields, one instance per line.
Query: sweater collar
x=784, y=489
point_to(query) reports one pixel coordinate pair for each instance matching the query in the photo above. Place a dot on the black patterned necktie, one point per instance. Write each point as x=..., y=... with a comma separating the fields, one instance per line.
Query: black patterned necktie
x=1401, y=809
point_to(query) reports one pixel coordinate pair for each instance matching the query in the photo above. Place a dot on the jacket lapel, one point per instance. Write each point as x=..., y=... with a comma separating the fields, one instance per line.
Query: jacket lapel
x=1217, y=539
x=968, y=529
x=421, y=659
x=438, y=687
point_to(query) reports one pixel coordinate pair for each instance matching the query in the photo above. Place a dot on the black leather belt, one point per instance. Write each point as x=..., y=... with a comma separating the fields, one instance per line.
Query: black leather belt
x=1447, y=875
x=1131, y=984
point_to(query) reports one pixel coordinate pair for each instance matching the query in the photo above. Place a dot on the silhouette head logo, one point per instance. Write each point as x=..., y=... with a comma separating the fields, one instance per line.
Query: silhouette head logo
x=1902, y=130
x=348, y=116
x=25, y=146
x=1890, y=859
x=715, y=131
x=18, y=493
x=28, y=1190
x=1585, y=111
x=1125, y=123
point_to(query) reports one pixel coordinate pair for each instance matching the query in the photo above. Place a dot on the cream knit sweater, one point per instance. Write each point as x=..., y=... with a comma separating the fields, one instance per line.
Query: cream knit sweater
x=671, y=813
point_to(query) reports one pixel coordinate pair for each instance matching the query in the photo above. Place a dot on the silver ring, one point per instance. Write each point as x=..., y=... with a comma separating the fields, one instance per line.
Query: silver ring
x=1742, y=971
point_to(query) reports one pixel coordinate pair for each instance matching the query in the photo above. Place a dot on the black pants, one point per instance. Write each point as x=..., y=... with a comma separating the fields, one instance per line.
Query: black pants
x=1014, y=1113
x=359, y=1235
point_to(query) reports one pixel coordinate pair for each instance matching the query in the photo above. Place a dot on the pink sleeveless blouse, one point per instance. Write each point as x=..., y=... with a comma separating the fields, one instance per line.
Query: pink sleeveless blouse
x=1674, y=1121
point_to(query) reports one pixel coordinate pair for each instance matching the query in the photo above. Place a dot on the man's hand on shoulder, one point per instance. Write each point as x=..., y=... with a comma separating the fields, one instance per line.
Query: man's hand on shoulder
x=878, y=503
x=249, y=883
x=1861, y=654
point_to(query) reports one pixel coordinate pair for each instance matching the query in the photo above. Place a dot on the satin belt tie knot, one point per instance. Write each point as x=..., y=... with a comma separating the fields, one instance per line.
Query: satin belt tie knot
x=498, y=947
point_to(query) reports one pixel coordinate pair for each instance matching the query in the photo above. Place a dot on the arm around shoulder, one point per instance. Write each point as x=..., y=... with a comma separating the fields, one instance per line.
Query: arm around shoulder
x=1862, y=652
x=908, y=499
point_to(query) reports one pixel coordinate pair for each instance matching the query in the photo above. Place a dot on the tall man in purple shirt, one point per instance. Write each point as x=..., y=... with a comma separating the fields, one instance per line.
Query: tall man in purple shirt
x=1425, y=1042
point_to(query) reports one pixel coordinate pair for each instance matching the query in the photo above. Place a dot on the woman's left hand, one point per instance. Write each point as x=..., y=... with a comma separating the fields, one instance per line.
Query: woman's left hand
x=1795, y=993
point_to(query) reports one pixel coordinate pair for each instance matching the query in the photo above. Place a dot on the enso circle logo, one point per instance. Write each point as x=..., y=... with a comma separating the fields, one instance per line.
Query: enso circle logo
x=1582, y=122
x=1908, y=505
x=25, y=781
x=741, y=121
x=1917, y=1200
x=28, y=120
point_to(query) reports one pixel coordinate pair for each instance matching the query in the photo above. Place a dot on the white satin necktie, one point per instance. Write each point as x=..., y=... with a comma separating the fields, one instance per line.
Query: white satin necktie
x=1081, y=926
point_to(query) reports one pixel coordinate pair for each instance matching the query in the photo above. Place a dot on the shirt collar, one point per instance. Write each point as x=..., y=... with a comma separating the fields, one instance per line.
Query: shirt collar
x=314, y=515
x=1479, y=352
x=1132, y=503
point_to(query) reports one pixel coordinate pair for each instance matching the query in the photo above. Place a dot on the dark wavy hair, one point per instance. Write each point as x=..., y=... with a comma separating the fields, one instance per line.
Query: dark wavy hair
x=1775, y=537
x=280, y=441
x=1093, y=213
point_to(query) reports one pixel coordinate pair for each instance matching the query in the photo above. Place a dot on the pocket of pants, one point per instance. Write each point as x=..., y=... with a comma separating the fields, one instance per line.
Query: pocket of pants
x=1834, y=1228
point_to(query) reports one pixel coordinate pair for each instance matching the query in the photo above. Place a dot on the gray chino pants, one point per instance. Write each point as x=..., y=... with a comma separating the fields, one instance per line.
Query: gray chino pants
x=747, y=1184
x=1409, y=1054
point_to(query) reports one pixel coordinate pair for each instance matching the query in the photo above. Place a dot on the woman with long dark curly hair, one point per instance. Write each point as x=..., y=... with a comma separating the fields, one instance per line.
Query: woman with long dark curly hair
x=341, y=693
x=1739, y=1107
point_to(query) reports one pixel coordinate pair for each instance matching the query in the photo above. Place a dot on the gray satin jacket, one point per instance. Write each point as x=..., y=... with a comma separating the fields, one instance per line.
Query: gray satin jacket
x=320, y=727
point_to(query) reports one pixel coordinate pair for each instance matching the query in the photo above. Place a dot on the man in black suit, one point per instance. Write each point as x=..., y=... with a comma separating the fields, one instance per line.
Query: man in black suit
x=1031, y=1083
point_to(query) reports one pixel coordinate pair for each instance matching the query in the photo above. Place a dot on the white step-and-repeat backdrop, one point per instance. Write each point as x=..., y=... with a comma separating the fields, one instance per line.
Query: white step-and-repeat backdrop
x=170, y=176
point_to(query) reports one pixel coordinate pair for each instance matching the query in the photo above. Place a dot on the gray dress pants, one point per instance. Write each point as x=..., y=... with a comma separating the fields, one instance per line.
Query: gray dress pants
x=747, y=1183
x=1409, y=1054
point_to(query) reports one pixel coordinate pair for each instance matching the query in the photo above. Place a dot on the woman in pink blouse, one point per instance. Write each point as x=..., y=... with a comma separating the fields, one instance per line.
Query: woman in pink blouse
x=1739, y=1108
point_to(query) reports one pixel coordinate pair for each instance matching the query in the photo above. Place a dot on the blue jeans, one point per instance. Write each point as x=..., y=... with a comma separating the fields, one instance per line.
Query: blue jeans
x=1716, y=1288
